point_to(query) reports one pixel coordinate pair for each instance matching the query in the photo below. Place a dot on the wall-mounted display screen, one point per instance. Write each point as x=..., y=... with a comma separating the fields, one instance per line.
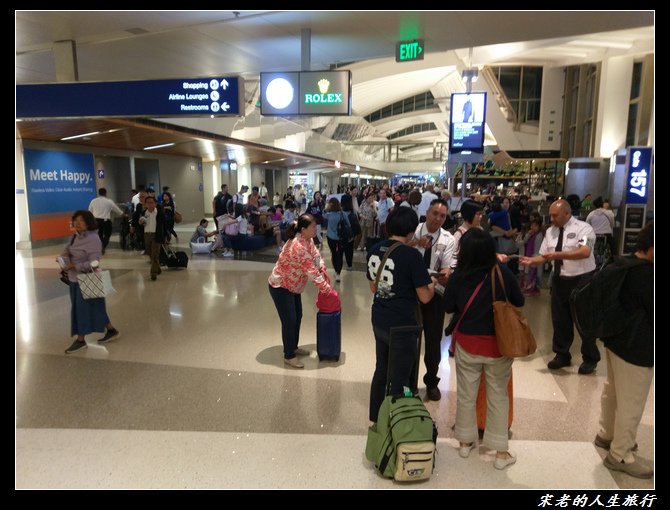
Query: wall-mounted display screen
x=468, y=118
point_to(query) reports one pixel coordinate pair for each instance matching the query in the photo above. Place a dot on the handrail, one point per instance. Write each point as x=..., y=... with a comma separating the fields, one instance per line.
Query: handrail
x=501, y=98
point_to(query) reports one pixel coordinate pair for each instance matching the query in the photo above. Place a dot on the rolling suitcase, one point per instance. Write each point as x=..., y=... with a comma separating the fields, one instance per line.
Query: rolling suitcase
x=173, y=259
x=481, y=403
x=329, y=335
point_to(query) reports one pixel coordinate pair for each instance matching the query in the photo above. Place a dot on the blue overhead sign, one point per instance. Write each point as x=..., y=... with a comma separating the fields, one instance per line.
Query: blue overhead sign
x=150, y=98
x=639, y=174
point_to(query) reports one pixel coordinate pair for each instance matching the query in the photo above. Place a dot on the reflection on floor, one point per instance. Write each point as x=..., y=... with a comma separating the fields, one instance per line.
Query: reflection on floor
x=195, y=395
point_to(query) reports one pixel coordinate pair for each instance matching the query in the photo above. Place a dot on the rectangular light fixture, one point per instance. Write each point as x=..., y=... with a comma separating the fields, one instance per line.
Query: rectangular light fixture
x=158, y=146
x=80, y=136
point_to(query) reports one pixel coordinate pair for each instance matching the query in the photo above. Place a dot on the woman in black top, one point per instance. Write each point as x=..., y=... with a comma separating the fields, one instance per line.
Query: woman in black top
x=476, y=347
x=404, y=278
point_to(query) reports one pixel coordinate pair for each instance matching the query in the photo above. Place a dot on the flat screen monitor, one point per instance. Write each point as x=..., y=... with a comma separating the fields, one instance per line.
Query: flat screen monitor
x=468, y=118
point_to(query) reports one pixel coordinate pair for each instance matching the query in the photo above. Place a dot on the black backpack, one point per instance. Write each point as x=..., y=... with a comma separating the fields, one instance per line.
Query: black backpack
x=344, y=231
x=355, y=225
x=596, y=305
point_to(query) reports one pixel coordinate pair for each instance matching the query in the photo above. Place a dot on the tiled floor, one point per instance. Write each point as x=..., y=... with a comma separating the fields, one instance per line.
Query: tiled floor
x=195, y=395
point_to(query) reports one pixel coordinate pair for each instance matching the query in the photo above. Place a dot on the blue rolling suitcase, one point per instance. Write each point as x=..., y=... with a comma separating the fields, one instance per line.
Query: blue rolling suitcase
x=329, y=336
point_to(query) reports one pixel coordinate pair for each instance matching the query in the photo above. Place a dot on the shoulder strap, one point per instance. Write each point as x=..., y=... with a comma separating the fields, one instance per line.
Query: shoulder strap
x=472, y=297
x=381, y=266
x=496, y=269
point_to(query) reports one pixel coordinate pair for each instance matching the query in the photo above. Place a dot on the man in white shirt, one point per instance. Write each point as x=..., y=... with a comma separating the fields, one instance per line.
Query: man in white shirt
x=427, y=198
x=101, y=208
x=436, y=245
x=568, y=244
x=263, y=191
x=384, y=206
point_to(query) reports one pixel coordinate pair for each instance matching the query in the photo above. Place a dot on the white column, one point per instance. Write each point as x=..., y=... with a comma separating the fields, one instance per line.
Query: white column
x=65, y=59
x=21, y=218
x=616, y=77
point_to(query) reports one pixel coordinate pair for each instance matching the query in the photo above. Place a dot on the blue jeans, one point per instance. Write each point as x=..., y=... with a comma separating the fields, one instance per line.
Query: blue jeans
x=289, y=308
x=403, y=365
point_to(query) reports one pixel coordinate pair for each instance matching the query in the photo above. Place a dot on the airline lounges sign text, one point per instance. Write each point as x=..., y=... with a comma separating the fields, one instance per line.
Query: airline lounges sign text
x=58, y=181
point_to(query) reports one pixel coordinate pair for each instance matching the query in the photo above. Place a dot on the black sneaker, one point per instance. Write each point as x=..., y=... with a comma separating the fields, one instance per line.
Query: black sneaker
x=433, y=393
x=558, y=362
x=588, y=367
x=76, y=346
x=111, y=334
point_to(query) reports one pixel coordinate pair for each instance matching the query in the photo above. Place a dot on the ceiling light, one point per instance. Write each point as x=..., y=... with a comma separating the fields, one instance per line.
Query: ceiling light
x=233, y=165
x=158, y=146
x=80, y=136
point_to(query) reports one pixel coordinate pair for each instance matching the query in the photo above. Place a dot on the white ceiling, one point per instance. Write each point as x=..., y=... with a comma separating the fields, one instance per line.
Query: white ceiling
x=176, y=44
x=117, y=45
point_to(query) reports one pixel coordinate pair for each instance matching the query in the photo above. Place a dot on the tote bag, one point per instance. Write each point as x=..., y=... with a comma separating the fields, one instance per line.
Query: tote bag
x=97, y=284
x=513, y=333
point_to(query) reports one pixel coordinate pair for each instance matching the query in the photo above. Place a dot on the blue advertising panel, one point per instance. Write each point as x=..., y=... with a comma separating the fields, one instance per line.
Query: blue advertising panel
x=58, y=181
x=173, y=98
x=638, y=165
x=467, y=122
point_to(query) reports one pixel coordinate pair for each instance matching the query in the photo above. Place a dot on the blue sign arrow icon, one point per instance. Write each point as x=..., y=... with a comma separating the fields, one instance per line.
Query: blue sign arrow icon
x=225, y=107
x=224, y=84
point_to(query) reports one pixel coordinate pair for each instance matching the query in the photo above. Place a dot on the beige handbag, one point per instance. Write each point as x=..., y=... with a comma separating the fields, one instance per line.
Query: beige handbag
x=513, y=333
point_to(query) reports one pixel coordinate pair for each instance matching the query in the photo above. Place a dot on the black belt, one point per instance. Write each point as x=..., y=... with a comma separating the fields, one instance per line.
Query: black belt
x=575, y=277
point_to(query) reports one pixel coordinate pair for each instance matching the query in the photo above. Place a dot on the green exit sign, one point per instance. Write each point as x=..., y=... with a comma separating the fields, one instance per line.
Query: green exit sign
x=406, y=51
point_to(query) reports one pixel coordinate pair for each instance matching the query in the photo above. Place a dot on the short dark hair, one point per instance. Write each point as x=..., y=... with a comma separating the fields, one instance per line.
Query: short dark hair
x=598, y=202
x=401, y=221
x=468, y=210
x=477, y=251
x=102, y=192
x=203, y=221
x=346, y=202
x=88, y=218
x=645, y=238
x=440, y=201
x=150, y=197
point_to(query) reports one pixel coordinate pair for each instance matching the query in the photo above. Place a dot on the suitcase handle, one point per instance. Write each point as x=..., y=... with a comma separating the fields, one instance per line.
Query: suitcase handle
x=414, y=376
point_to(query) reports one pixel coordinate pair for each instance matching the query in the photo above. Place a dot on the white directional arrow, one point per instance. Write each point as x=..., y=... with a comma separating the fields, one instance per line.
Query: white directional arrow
x=224, y=84
x=225, y=107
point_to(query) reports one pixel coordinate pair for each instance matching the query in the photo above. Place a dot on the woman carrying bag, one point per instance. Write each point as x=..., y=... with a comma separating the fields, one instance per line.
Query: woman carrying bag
x=468, y=291
x=82, y=255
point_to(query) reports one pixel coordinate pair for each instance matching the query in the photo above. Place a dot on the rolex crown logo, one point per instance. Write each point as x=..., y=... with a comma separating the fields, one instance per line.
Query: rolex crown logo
x=323, y=85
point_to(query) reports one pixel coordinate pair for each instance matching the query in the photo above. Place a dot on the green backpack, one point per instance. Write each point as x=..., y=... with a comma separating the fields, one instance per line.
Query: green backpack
x=403, y=444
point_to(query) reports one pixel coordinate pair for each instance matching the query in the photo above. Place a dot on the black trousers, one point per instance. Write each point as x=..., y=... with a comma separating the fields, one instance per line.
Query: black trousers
x=433, y=329
x=403, y=369
x=337, y=251
x=104, y=231
x=562, y=320
x=289, y=308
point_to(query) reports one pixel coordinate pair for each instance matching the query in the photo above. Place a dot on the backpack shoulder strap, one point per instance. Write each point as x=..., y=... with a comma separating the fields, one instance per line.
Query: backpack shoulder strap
x=381, y=265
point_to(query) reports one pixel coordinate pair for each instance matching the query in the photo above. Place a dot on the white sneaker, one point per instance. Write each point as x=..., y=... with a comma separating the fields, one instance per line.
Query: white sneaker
x=228, y=254
x=337, y=277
